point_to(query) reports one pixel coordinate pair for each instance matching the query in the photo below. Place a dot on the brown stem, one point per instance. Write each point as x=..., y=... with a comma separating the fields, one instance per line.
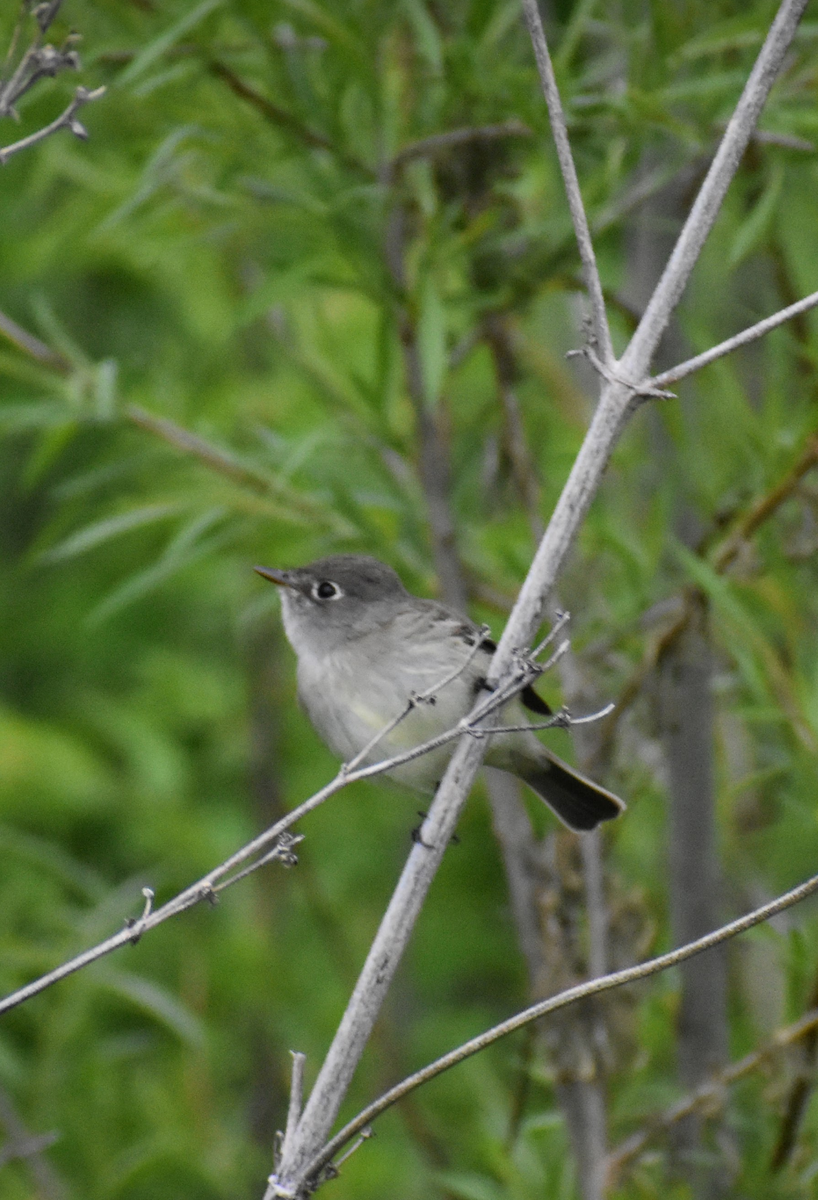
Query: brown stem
x=800, y=1092
x=279, y=116
x=711, y=1093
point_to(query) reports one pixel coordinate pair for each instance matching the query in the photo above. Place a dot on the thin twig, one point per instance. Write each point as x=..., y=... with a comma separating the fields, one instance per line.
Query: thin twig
x=283, y=852
x=764, y=507
x=560, y=720
x=582, y=991
x=740, y=339
x=32, y=345
x=296, y=1097
x=364, y=1136
x=429, y=146
x=285, y=120
x=585, y=245
x=66, y=120
x=561, y=619
x=244, y=474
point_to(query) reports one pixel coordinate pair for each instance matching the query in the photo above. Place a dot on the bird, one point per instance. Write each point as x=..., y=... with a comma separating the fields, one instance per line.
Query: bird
x=365, y=646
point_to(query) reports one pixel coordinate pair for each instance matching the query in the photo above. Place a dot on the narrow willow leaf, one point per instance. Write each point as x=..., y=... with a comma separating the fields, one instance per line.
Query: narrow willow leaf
x=141, y=584
x=158, y=1003
x=426, y=35
x=50, y=444
x=104, y=389
x=111, y=527
x=160, y=45
x=45, y=855
x=432, y=341
x=754, y=229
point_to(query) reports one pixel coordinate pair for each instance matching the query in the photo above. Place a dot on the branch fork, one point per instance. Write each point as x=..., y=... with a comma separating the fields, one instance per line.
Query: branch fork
x=639, y=391
x=66, y=120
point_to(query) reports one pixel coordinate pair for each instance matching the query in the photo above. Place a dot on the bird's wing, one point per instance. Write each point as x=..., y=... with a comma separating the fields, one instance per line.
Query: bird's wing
x=535, y=702
x=528, y=696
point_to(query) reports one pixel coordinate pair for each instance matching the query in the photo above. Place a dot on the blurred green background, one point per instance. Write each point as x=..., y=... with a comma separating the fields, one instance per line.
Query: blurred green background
x=254, y=246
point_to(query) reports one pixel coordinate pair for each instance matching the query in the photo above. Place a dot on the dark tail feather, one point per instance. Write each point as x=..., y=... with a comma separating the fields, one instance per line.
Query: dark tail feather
x=577, y=800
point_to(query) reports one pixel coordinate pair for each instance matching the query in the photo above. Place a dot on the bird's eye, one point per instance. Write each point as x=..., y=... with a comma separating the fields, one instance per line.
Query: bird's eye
x=326, y=590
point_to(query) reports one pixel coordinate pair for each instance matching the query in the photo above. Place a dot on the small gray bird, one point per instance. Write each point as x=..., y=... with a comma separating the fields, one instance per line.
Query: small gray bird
x=365, y=645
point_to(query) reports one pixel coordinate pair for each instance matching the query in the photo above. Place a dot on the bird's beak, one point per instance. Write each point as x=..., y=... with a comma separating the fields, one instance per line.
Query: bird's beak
x=279, y=577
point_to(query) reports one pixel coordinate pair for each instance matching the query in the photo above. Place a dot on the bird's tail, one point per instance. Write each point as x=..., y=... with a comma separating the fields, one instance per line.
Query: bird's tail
x=577, y=800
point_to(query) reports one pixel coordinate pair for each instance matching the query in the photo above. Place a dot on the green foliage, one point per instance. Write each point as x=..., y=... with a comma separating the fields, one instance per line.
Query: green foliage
x=225, y=278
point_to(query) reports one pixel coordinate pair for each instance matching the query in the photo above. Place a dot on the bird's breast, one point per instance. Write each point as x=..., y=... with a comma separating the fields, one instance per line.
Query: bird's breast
x=352, y=694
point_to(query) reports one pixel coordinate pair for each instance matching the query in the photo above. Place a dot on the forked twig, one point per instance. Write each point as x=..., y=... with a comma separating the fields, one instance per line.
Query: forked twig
x=66, y=120
x=560, y=720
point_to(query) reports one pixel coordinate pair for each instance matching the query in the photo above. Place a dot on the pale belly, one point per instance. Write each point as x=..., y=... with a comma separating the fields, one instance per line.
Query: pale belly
x=371, y=700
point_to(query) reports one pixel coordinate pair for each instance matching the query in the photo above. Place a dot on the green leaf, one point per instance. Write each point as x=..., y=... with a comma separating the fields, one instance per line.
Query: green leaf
x=183, y=550
x=102, y=531
x=156, y=1001
x=160, y=45
x=432, y=341
x=753, y=230
x=426, y=34
x=50, y=857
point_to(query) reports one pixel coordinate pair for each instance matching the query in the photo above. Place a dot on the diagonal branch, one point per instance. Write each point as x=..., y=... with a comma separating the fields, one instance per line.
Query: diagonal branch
x=734, y=343
x=281, y=117
x=437, y=142
x=275, y=844
x=602, y=333
x=32, y=345
x=244, y=474
x=764, y=507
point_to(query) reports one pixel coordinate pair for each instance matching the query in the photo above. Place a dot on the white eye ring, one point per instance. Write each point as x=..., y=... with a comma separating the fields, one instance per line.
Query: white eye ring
x=326, y=590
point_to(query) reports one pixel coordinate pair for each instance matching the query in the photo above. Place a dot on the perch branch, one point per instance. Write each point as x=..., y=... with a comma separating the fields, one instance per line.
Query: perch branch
x=275, y=843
